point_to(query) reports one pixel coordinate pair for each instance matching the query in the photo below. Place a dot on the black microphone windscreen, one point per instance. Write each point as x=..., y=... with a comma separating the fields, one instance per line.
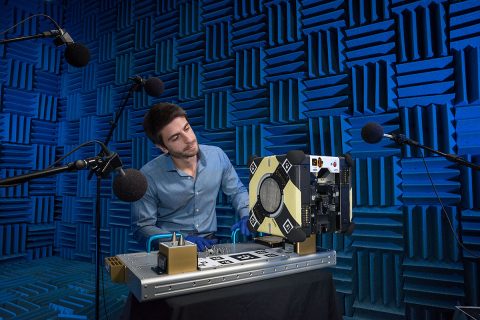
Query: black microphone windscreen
x=154, y=87
x=372, y=132
x=77, y=54
x=131, y=186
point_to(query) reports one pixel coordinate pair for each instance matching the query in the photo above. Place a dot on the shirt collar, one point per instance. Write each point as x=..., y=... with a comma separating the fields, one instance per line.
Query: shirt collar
x=169, y=165
x=202, y=162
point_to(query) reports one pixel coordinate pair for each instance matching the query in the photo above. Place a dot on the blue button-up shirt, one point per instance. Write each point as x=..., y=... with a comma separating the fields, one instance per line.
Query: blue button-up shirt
x=175, y=201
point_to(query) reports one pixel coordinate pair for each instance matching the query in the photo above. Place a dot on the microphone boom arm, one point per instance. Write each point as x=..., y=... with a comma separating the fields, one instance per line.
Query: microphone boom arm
x=72, y=166
x=118, y=113
x=401, y=139
x=102, y=167
x=114, y=123
x=35, y=36
x=136, y=86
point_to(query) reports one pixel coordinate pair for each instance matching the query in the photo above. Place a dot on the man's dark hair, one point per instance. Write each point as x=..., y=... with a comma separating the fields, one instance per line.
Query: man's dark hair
x=158, y=117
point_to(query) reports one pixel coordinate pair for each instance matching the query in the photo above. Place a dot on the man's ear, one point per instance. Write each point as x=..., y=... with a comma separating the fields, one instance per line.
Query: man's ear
x=164, y=150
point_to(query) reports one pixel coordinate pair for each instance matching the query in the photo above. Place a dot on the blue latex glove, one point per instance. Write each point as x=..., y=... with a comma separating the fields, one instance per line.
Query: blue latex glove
x=201, y=242
x=242, y=224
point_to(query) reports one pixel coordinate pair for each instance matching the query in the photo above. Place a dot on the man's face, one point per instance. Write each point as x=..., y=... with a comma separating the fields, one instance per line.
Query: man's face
x=179, y=139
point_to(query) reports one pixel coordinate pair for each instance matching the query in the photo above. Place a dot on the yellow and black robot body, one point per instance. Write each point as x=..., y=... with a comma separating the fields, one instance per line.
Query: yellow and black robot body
x=296, y=195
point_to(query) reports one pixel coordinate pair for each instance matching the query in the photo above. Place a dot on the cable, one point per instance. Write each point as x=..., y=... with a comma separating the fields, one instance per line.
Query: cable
x=158, y=236
x=234, y=235
x=28, y=18
x=445, y=211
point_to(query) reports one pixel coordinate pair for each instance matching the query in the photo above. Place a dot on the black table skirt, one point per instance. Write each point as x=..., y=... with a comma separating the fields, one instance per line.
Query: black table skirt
x=305, y=295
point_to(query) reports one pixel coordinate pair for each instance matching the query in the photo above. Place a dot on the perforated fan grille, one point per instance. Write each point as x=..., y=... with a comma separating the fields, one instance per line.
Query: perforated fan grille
x=270, y=195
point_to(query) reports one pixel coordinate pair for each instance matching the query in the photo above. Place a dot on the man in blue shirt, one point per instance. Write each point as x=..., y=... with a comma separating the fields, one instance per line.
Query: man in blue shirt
x=183, y=182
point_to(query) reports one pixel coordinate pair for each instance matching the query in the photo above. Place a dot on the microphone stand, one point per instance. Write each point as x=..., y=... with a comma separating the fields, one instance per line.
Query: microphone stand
x=99, y=168
x=98, y=165
x=401, y=139
x=118, y=113
x=113, y=125
x=114, y=162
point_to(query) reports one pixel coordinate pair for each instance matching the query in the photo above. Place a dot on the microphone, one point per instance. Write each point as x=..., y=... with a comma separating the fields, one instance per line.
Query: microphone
x=372, y=132
x=76, y=54
x=129, y=185
x=153, y=86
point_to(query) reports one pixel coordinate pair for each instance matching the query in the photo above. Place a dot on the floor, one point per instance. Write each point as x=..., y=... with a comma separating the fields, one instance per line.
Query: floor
x=55, y=288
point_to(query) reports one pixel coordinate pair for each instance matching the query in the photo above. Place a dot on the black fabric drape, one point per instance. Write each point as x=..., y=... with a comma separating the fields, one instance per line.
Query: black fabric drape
x=305, y=295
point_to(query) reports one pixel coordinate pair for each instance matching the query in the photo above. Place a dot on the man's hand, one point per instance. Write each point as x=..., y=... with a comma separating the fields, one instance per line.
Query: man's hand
x=242, y=225
x=201, y=242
